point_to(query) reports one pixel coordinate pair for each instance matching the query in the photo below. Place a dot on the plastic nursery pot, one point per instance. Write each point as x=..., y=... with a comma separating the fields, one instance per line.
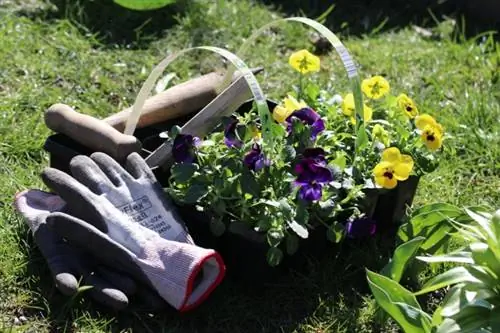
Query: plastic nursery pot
x=392, y=204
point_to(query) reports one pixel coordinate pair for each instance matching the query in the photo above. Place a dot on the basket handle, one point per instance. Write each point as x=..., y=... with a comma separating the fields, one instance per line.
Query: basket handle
x=148, y=85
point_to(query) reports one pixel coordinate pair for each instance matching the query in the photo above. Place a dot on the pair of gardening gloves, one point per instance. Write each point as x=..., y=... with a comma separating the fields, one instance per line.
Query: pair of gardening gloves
x=113, y=228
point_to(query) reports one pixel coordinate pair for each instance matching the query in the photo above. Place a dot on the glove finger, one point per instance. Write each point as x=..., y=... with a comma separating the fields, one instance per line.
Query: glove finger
x=103, y=291
x=121, y=281
x=86, y=171
x=111, y=168
x=149, y=300
x=137, y=167
x=79, y=199
x=95, y=242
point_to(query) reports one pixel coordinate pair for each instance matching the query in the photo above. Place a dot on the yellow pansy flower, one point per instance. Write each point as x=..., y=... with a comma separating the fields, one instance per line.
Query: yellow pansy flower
x=304, y=62
x=282, y=111
x=393, y=167
x=407, y=106
x=349, y=110
x=381, y=134
x=431, y=131
x=375, y=87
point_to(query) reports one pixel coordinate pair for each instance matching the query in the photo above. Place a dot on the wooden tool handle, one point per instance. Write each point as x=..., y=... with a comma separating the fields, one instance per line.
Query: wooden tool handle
x=177, y=101
x=91, y=132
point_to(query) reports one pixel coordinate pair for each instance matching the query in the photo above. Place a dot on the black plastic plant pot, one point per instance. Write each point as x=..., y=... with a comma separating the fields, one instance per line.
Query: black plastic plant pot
x=392, y=205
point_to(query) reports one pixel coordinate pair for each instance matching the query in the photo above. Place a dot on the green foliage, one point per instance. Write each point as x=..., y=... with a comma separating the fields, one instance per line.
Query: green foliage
x=399, y=303
x=402, y=256
x=471, y=305
x=458, y=80
x=144, y=4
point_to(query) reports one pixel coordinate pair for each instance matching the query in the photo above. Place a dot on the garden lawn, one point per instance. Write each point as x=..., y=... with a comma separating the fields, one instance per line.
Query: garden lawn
x=45, y=59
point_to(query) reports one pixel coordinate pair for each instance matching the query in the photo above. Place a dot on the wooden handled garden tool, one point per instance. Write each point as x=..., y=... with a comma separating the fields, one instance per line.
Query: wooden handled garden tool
x=105, y=136
x=177, y=101
x=91, y=132
x=205, y=120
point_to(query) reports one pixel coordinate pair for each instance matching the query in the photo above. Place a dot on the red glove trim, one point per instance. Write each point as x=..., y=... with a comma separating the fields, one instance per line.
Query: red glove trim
x=186, y=307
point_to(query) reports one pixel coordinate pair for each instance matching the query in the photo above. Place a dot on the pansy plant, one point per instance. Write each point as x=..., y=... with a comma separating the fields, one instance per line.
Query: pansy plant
x=315, y=177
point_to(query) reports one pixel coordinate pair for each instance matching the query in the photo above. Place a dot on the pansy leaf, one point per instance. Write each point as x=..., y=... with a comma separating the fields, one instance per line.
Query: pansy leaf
x=182, y=172
x=299, y=229
x=249, y=183
x=301, y=214
x=327, y=207
x=263, y=225
x=278, y=131
x=286, y=209
x=361, y=139
x=195, y=193
x=335, y=233
x=289, y=153
x=217, y=227
x=312, y=91
x=275, y=236
x=292, y=244
x=274, y=256
x=340, y=160
x=174, y=131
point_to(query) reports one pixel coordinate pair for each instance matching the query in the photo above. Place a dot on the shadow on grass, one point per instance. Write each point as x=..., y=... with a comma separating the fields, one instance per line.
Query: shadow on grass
x=331, y=289
x=111, y=23
x=356, y=17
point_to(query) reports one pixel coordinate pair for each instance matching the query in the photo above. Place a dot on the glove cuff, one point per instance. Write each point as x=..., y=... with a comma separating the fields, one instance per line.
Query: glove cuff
x=183, y=274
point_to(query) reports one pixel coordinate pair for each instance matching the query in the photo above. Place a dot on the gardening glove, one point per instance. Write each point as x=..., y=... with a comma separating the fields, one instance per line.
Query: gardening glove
x=67, y=263
x=183, y=274
x=133, y=190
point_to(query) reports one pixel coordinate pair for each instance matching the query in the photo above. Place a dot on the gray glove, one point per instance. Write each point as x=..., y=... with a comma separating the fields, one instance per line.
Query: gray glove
x=182, y=273
x=135, y=192
x=66, y=262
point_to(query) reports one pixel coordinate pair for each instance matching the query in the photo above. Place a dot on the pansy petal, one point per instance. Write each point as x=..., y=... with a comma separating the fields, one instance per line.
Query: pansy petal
x=291, y=104
x=323, y=175
x=314, y=153
x=381, y=168
x=307, y=115
x=317, y=127
x=402, y=171
x=310, y=192
x=380, y=180
x=390, y=183
x=348, y=104
x=423, y=120
x=360, y=227
x=305, y=178
x=408, y=160
x=367, y=113
x=280, y=114
x=391, y=154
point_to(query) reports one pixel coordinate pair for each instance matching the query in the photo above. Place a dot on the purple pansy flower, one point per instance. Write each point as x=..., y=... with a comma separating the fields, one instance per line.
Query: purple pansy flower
x=230, y=138
x=183, y=150
x=255, y=159
x=310, y=117
x=361, y=227
x=312, y=174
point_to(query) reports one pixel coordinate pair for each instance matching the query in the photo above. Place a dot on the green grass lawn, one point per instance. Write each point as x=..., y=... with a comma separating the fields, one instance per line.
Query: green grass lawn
x=44, y=59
